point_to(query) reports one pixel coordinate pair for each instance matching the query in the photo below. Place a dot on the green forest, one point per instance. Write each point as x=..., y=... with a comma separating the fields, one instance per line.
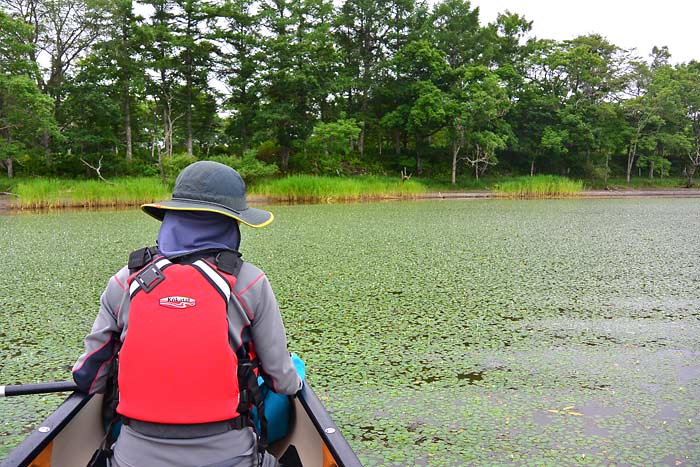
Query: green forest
x=114, y=88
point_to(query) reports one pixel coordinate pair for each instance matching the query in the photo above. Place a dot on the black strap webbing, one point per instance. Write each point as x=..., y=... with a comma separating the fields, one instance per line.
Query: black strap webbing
x=229, y=262
x=251, y=395
x=141, y=257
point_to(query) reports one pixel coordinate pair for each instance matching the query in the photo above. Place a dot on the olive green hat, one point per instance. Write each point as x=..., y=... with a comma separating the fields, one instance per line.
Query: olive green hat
x=211, y=187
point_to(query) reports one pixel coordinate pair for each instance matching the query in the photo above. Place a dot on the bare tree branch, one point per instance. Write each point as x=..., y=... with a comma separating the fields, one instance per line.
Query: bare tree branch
x=97, y=170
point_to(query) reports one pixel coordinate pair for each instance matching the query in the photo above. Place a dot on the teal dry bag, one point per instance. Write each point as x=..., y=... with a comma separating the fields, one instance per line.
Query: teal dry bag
x=277, y=406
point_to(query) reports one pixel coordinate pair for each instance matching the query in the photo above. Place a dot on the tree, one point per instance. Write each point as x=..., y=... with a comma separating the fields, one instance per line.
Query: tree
x=296, y=71
x=369, y=33
x=190, y=37
x=239, y=61
x=569, y=81
x=107, y=82
x=25, y=113
x=92, y=108
x=161, y=59
x=687, y=84
x=454, y=29
x=64, y=30
x=29, y=12
x=610, y=135
x=655, y=164
x=332, y=140
x=478, y=102
x=421, y=75
x=124, y=44
x=337, y=137
x=641, y=111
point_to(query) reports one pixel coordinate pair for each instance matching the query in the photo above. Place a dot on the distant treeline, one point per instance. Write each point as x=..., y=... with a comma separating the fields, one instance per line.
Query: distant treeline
x=119, y=87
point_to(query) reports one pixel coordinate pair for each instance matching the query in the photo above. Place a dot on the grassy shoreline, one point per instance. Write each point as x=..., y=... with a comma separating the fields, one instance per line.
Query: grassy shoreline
x=46, y=193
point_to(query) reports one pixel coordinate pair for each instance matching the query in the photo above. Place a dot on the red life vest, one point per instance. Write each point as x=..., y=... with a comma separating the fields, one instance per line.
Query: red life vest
x=176, y=364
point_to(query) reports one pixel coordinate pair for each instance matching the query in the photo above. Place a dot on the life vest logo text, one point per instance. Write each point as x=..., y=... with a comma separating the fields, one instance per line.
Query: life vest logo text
x=177, y=302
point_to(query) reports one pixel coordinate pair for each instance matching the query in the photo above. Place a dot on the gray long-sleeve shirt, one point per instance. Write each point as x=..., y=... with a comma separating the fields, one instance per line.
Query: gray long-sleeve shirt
x=252, y=304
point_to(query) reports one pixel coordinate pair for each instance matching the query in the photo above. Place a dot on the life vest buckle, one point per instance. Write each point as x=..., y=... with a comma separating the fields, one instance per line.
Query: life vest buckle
x=149, y=278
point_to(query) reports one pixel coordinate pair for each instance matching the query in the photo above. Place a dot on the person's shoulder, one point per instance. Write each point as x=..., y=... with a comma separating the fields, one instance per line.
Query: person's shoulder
x=248, y=276
x=123, y=274
x=120, y=278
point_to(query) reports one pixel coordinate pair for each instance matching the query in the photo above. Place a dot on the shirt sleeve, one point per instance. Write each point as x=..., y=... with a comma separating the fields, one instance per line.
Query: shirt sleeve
x=269, y=337
x=93, y=366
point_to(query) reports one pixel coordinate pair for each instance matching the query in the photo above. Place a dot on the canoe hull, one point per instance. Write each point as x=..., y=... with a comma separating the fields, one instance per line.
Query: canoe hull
x=70, y=435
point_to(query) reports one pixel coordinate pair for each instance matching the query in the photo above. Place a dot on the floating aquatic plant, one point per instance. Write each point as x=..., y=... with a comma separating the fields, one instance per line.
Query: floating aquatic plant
x=436, y=333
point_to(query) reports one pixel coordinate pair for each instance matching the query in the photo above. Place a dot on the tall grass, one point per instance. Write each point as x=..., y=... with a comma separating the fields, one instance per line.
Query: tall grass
x=539, y=186
x=56, y=193
x=637, y=183
x=312, y=188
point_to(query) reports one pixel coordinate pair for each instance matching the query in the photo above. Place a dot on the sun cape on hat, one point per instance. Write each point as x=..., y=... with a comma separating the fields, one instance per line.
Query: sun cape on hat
x=210, y=187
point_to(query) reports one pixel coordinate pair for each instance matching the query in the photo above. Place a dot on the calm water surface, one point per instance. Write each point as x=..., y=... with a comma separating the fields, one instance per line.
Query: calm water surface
x=447, y=333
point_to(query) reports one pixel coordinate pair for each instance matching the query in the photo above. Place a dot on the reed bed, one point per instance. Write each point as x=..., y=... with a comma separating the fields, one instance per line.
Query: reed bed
x=309, y=188
x=539, y=186
x=41, y=193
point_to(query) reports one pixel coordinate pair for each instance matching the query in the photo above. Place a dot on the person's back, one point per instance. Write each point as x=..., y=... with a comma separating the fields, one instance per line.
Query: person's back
x=190, y=321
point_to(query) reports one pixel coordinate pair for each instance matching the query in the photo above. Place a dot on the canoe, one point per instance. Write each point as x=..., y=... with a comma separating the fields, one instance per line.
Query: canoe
x=71, y=434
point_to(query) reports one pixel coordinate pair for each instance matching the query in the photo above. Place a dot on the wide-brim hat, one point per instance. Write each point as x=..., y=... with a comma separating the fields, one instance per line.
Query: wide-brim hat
x=208, y=186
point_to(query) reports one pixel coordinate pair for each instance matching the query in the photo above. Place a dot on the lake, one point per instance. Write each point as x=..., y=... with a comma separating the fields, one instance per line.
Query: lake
x=437, y=333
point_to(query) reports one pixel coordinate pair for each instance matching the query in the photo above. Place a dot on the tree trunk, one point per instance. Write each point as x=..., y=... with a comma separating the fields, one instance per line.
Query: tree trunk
x=160, y=167
x=631, y=154
x=5, y=133
x=651, y=169
x=189, y=131
x=419, y=161
x=694, y=161
x=167, y=130
x=45, y=141
x=188, y=110
x=532, y=167
x=361, y=140
x=285, y=157
x=455, y=152
x=8, y=165
x=127, y=128
x=153, y=147
x=691, y=172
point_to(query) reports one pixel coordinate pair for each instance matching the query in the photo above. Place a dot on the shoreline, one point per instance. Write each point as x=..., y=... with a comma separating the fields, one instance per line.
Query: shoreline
x=485, y=194
x=7, y=208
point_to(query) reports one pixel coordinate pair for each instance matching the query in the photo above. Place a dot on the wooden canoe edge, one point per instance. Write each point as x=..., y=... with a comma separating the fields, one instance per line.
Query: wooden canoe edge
x=327, y=429
x=36, y=441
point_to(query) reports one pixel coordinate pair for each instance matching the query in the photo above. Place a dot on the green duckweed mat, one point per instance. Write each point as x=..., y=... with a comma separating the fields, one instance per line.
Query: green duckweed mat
x=437, y=333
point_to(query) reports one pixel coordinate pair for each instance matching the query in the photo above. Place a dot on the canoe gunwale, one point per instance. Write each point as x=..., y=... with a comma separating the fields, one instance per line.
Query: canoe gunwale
x=36, y=441
x=328, y=432
x=327, y=429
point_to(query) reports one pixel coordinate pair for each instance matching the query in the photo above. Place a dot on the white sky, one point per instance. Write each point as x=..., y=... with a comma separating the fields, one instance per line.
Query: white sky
x=639, y=24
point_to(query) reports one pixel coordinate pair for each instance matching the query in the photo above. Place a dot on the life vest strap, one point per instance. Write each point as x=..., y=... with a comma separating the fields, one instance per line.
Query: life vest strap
x=186, y=431
x=229, y=262
x=141, y=257
x=251, y=395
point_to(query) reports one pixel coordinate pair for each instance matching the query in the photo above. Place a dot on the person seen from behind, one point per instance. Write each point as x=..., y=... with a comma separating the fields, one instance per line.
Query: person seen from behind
x=186, y=329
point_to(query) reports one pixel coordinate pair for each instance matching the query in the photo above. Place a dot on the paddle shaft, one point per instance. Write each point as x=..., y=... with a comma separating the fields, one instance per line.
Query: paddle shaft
x=38, y=388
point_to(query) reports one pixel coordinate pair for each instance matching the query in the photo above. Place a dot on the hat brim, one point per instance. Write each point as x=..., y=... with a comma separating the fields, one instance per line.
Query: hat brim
x=250, y=216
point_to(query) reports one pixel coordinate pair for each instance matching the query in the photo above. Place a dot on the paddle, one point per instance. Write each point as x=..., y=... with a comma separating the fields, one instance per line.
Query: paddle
x=38, y=388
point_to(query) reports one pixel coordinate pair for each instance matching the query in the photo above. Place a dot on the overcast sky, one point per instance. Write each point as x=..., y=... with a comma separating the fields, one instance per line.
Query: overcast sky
x=639, y=24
